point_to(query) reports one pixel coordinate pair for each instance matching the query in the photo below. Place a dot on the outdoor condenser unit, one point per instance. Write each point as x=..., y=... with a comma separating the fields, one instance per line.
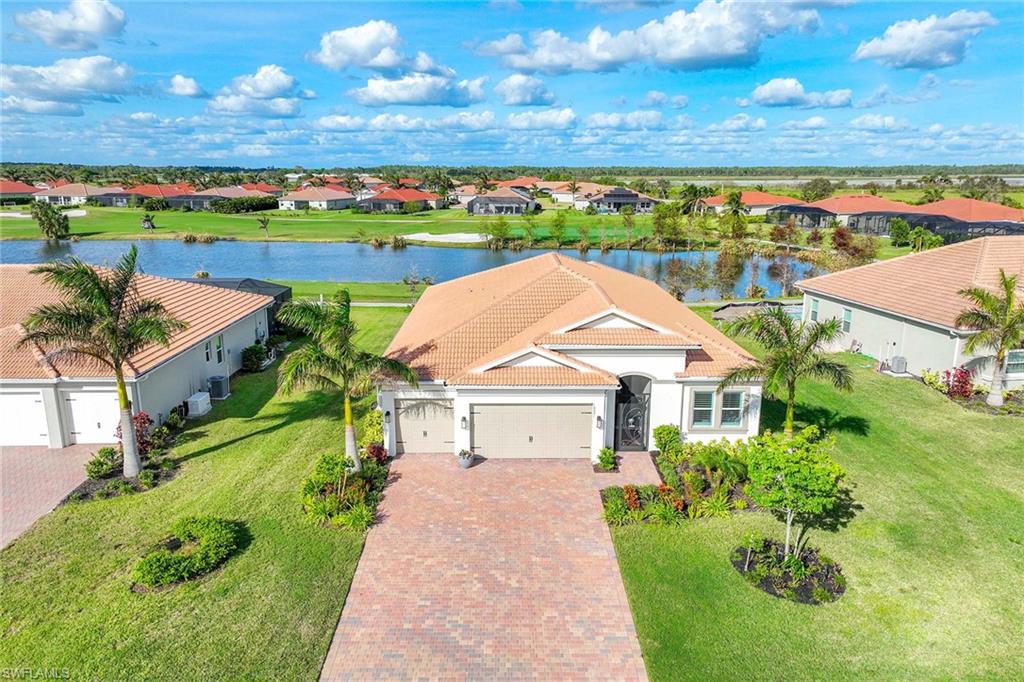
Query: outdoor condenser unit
x=899, y=364
x=220, y=387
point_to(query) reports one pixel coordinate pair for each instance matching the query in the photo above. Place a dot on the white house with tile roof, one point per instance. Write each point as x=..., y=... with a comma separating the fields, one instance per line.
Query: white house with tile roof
x=556, y=357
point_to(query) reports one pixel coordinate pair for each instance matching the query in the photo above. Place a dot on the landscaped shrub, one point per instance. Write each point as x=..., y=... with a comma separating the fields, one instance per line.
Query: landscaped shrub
x=253, y=357
x=156, y=204
x=959, y=382
x=370, y=429
x=147, y=478
x=174, y=421
x=334, y=495
x=807, y=577
x=377, y=452
x=142, y=423
x=198, y=544
x=665, y=435
x=606, y=460
x=243, y=204
x=104, y=463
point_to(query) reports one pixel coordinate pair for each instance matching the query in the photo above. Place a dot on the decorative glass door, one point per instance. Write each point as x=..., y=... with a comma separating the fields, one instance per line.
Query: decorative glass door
x=632, y=412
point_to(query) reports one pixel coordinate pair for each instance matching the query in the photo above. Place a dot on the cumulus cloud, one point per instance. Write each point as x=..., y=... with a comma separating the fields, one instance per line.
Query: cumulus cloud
x=183, y=86
x=812, y=123
x=79, y=26
x=60, y=88
x=467, y=121
x=373, y=45
x=550, y=119
x=657, y=98
x=928, y=43
x=789, y=92
x=270, y=92
x=419, y=89
x=727, y=33
x=633, y=120
x=27, y=105
x=927, y=89
x=739, y=123
x=878, y=123
x=522, y=90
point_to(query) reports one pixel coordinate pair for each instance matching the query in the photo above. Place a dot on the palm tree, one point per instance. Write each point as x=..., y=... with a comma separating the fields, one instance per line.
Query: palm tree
x=101, y=318
x=998, y=321
x=355, y=184
x=264, y=222
x=331, y=358
x=792, y=351
x=573, y=187
x=663, y=186
x=482, y=183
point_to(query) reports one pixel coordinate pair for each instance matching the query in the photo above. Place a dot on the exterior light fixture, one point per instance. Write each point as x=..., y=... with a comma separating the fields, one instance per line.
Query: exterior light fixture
x=387, y=417
x=600, y=422
x=464, y=423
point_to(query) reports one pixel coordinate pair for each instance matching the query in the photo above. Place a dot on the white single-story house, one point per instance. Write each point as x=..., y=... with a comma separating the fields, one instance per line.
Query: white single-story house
x=579, y=199
x=903, y=311
x=758, y=202
x=395, y=200
x=463, y=194
x=615, y=199
x=73, y=194
x=554, y=357
x=63, y=401
x=316, y=198
x=502, y=201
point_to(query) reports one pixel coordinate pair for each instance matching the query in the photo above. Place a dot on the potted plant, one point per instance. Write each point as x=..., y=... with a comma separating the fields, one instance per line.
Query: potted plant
x=465, y=459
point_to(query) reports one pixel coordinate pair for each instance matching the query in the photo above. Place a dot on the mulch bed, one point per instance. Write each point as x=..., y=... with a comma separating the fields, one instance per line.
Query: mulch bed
x=1013, y=407
x=823, y=582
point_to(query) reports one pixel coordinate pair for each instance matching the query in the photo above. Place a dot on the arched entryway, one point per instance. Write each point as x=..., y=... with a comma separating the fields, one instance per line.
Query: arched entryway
x=632, y=412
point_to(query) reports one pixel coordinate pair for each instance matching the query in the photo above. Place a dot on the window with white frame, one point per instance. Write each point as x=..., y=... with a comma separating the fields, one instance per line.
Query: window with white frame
x=732, y=408
x=703, y=408
x=220, y=348
x=1015, y=362
x=206, y=348
x=847, y=319
x=814, y=310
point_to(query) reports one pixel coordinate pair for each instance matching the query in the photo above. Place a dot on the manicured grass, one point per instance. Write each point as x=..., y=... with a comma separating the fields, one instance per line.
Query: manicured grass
x=933, y=550
x=377, y=292
x=269, y=612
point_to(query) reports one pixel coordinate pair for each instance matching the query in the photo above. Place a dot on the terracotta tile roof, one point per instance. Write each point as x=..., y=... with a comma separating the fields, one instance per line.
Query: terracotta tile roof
x=755, y=198
x=233, y=192
x=924, y=285
x=262, y=187
x=464, y=324
x=583, y=189
x=504, y=193
x=76, y=189
x=622, y=336
x=316, y=194
x=521, y=181
x=17, y=187
x=534, y=376
x=206, y=309
x=404, y=194
x=850, y=204
x=972, y=210
x=158, y=191
x=466, y=189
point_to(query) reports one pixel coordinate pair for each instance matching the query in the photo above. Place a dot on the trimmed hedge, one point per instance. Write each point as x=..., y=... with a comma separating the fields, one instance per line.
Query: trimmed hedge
x=216, y=539
x=243, y=204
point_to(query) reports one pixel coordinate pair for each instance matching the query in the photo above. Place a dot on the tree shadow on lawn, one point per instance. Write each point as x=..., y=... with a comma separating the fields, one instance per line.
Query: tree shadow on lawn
x=773, y=416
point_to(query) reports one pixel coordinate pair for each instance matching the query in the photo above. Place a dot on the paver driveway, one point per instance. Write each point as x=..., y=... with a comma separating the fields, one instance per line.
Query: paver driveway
x=505, y=570
x=33, y=480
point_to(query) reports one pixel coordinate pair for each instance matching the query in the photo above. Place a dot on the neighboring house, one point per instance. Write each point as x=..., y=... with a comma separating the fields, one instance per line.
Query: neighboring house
x=263, y=187
x=15, y=189
x=502, y=201
x=906, y=308
x=758, y=202
x=615, y=199
x=522, y=182
x=63, y=401
x=464, y=193
x=281, y=293
x=555, y=357
x=394, y=200
x=846, y=205
x=139, y=193
x=317, y=198
x=581, y=198
x=73, y=194
x=293, y=178
x=201, y=199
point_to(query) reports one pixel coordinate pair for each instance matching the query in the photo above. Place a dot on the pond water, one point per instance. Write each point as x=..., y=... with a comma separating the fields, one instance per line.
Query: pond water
x=703, y=275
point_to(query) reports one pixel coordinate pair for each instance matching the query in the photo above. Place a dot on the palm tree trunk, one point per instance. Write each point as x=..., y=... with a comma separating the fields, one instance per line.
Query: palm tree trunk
x=995, y=392
x=351, y=451
x=129, y=448
x=790, y=409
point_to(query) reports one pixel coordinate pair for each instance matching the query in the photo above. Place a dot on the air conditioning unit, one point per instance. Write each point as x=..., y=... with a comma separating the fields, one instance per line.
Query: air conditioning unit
x=220, y=387
x=198, y=404
x=899, y=365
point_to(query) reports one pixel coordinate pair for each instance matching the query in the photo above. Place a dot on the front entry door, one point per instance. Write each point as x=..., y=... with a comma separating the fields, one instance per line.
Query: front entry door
x=632, y=412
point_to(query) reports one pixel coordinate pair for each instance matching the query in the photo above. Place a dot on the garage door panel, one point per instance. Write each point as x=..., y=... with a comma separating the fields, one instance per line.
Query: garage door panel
x=23, y=419
x=531, y=431
x=424, y=426
x=92, y=416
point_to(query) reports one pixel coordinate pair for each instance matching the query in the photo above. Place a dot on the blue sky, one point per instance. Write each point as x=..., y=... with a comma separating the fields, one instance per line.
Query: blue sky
x=722, y=82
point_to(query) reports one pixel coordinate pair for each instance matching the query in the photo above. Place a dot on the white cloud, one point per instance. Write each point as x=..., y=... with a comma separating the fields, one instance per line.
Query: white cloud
x=76, y=27
x=84, y=79
x=269, y=92
x=341, y=122
x=183, y=86
x=634, y=120
x=726, y=33
x=739, y=123
x=926, y=43
x=269, y=81
x=812, y=123
x=550, y=119
x=241, y=105
x=27, y=105
x=926, y=90
x=657, y=98
x=465, y=120
x=521, y=90
x=878, y=123
x=789, y=92
x=373, y=45
x=419, y=89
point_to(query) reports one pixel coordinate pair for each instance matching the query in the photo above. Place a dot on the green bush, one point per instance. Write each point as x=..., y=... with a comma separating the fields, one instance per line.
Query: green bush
x=118, y=487
x=253, y=357
x=333, y=495
x=358, y=517
x=174, y=421
x=156, y=204
x=103, y=463
x=665, y=435
x=615, y=511
x=606, y=460
x=147, y=478
x=214, y=541
x=243, y=204
x=370, y=429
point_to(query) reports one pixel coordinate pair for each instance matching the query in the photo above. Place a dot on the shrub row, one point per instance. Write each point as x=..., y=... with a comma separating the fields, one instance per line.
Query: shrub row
x=205, y=543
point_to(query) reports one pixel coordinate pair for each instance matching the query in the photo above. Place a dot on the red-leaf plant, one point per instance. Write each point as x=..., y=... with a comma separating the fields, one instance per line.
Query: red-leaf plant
x=960, y=382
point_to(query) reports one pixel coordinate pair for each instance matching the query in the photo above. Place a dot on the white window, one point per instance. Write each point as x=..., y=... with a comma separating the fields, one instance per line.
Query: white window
x=206, y=348
x=732, y=408
x=1015, y=362
x=220, y=348
x=814, y=310
x=703, y=408
x=847, y=319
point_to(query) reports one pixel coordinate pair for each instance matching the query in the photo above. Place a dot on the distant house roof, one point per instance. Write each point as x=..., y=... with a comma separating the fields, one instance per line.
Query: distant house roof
x=732, y=311
x=411, y=182
x=316, y=194
x=754, y=198
x=77, y=189
x=849, y=204
x=583, y=189
x=467, y=189
x=404, y=194
x=279, y=292
x=262, y=187
x=17, y=187
x=234, y=192
x=972, y=210
x=521, y=181
x=505, y=193
x=620, y=193
x=924, y=286
x=371, y=181
x=158, y=191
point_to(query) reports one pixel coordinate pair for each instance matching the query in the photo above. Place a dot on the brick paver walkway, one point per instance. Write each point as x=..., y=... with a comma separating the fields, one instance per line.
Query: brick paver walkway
x=33, y=480
x=502, y=571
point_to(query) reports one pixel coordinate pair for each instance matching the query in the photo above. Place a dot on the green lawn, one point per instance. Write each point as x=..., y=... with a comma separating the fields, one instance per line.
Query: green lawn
x=376, y=292
x=933, y=551
x=268, y=613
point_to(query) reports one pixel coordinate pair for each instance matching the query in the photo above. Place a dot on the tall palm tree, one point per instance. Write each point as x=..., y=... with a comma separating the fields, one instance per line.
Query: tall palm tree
x=331, y=358
x=998, y=321
x=792, y=351
x=101, y=318
x=573, y=188
x=482, y=182
x=264, y=221
x=355, y=184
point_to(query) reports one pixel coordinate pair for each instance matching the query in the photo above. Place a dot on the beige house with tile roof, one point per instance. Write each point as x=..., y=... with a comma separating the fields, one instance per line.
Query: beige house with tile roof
x=905, y=309
x=556, y=357
x=60, y=401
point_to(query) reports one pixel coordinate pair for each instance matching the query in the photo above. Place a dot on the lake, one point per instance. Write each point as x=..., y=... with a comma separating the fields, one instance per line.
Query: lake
x=698, y=273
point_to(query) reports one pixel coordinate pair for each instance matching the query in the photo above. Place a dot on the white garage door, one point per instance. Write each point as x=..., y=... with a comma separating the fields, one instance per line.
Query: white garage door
x=22, y=419
x=424, y=426
x=92, y=416
x=525, y=431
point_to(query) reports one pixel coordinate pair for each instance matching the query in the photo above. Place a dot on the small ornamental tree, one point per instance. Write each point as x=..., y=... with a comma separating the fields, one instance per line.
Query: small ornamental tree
x=794, y=475
x=51, y=221
x=899, y=232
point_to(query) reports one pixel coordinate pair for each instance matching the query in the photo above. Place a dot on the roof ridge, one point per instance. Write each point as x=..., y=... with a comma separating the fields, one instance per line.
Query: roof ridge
x=979, y=261
x=589, y=280
x=906, y=256
x=41, y=357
